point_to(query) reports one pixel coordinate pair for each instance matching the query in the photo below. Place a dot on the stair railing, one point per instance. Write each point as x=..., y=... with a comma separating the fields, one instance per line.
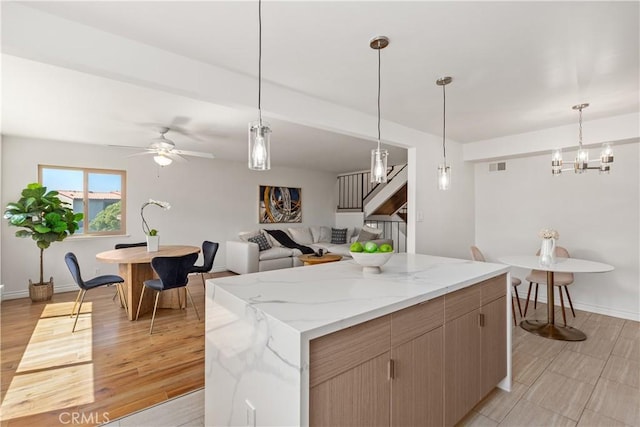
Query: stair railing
x=355, y=188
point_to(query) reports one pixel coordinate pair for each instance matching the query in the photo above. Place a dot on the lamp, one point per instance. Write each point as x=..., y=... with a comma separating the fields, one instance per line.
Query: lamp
x=162, y=159
x=444, y=170
x=379, y=156
x=581, y=162
x=259, y=132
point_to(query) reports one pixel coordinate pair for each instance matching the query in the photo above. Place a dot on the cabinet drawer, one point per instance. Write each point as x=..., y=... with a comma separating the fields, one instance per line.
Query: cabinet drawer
x=493, y=288
x=414, y=321
x=338, y=352
x=461, y=302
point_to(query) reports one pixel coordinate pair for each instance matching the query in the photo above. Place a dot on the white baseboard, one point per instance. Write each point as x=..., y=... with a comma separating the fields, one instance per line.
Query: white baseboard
x=57, y=289
x=622, y=314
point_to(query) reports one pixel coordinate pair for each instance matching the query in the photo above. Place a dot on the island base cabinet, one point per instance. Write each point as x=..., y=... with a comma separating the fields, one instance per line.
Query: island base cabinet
x=357, y=397
x=494, y=345
x=416, y=388
x=462, y=366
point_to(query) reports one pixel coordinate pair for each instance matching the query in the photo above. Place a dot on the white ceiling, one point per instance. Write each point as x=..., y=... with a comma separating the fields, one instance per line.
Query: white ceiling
x=517, y=67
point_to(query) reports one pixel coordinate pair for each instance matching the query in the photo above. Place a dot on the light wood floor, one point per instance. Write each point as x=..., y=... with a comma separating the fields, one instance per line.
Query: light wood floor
x=592, y=383
x=114, y=367
x=108, y=368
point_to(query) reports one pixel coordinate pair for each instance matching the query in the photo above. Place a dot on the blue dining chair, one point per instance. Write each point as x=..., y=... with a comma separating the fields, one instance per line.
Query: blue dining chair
x=105, y=280
x=209, y=250
x=173, y=273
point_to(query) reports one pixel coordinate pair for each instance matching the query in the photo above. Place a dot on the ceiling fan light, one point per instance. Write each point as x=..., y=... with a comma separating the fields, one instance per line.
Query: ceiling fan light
x=162, y=159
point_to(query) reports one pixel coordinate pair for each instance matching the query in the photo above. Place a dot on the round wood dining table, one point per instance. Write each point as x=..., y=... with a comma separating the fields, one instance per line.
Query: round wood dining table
x=134, y=266
x=548, y=328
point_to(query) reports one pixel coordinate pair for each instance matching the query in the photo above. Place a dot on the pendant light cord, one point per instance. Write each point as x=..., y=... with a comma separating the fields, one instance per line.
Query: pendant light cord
x=259, y=61
x=444, y=123
x=379, y=98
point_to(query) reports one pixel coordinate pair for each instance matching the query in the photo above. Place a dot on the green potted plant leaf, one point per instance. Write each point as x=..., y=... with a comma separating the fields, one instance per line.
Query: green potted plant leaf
x=45, y=219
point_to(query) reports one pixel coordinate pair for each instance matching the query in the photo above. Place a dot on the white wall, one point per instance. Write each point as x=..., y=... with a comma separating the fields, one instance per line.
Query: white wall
x=210, y=200
x=444, y=220
x=597, y=218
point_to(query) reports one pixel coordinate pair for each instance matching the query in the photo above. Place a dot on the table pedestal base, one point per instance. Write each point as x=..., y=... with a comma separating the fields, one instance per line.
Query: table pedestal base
x=552, y=331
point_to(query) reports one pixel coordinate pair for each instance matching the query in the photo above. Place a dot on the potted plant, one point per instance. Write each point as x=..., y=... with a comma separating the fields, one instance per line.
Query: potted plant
x=153, y=240
x=46, y=219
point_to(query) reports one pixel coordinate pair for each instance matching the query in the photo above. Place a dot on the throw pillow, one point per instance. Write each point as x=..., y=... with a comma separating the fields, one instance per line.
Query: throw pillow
x=244, y=235
x=368, y=233
x=365, y=236
x=261, y=240
x=301, y=235
x=338, y=236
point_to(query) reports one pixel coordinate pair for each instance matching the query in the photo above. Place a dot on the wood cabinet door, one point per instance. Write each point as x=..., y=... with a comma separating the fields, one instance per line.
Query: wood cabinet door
x=357, y=397
x=494, y=344
x=462, y=366
x=416, y=388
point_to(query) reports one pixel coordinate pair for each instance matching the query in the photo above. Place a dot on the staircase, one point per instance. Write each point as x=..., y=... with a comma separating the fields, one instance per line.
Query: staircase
x=382, y=206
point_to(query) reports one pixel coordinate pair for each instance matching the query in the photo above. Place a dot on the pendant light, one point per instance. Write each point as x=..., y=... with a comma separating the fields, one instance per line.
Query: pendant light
x=259, y=132
x=444, y=170
x=379, y=156
x=581, y=162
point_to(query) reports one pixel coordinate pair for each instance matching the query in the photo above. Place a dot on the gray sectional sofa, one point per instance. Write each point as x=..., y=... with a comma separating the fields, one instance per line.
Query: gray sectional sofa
x=244, y=255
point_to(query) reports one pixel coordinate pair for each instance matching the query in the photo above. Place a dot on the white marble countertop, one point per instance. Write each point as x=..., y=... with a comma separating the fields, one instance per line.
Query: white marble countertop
x=321, y=299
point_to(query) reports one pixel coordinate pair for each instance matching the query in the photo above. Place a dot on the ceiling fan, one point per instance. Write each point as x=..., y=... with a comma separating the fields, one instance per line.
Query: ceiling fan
x=164, y=150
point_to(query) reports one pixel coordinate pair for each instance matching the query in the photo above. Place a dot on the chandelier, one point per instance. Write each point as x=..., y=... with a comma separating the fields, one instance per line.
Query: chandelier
x=581, y=162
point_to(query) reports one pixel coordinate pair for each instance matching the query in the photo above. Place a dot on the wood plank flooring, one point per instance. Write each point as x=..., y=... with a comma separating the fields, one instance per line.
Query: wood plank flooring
x=108, y=368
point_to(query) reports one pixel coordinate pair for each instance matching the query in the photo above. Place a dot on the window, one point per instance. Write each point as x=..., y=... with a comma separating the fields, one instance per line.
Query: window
x=99, y=194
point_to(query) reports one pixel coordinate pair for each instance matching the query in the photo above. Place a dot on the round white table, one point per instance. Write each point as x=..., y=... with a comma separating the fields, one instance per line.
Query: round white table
x=549, y=329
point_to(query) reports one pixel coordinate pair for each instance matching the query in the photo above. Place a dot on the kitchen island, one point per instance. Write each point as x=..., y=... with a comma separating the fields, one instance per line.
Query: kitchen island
x=328, y=344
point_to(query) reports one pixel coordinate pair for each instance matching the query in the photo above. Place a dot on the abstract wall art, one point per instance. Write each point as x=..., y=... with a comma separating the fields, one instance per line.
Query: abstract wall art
x=279, y=204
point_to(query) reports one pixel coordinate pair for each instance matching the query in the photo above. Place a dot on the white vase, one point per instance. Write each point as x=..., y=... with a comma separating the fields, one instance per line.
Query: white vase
x=548, y=251
x=153, y=243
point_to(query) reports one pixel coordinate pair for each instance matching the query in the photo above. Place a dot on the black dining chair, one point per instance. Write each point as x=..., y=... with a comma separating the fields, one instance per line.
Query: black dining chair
x=209, y=250
x=173, y=273
x=105, y=280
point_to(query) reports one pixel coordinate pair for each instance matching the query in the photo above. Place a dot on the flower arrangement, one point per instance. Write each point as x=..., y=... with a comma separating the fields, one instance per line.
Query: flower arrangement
x=548, y=233
x=145, y=226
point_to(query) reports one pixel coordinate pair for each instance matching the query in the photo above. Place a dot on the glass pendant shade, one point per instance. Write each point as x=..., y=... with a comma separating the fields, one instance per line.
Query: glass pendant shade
x=582, y=161
x=444, y=177
x=259, y=146
x=556, y=161
x=606, y=155
x=162, y=159
x=379, y=165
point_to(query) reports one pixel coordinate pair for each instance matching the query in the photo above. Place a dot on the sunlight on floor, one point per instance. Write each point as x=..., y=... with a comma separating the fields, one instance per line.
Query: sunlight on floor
x=53, y=359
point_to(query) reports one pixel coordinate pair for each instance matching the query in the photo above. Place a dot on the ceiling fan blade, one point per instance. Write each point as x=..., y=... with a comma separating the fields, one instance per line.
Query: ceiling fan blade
x=130, y=147
x=144, y=153
x=194, y=154
x=175, y=156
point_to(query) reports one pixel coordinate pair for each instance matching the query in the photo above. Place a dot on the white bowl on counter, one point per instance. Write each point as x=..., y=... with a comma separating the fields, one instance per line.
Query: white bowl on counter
x=371, y=261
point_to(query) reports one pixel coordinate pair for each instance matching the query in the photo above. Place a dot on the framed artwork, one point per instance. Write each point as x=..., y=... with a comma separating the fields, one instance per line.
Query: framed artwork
x=279, y=204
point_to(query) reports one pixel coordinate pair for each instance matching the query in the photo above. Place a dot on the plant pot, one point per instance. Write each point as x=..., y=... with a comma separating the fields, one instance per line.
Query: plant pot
x=41, y=291
x=153, y=243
